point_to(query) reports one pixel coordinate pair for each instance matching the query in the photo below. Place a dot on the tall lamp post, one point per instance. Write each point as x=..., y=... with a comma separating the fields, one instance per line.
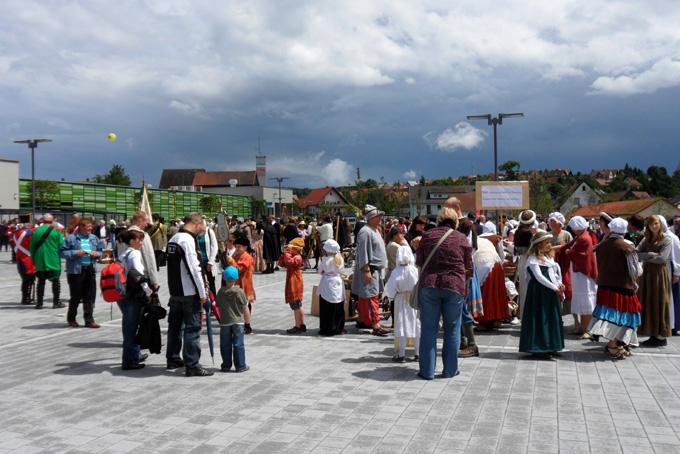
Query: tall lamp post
x=33, y=144
x=280, y=179
x=495, y=121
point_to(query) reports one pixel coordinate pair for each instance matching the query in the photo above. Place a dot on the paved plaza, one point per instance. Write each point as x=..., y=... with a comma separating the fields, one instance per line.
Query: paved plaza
x=62, y=390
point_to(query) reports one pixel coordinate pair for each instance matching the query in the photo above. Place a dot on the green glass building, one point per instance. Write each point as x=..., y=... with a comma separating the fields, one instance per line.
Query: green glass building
x=120, y=202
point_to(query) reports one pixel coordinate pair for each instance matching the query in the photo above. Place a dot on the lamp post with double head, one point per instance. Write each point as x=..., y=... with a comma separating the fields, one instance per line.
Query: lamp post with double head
x=495, y=121
x=33, y=144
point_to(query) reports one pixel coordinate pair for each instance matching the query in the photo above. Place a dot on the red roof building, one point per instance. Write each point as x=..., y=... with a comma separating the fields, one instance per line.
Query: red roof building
x=331, y=196
x=625, y=209
x=216, y=179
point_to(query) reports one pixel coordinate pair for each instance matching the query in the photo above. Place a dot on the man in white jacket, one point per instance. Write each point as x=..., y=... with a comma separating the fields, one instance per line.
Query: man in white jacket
x=186, y=284
x=139, y=222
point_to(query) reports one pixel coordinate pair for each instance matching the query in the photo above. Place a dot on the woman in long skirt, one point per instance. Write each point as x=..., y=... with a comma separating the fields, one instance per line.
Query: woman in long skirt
x=331, y=291
x=583, y=271
x=617, y=314
x=541, y=332
x=655, y=285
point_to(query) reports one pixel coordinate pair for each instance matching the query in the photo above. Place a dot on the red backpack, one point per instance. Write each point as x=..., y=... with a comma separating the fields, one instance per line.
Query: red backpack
x=113, y=282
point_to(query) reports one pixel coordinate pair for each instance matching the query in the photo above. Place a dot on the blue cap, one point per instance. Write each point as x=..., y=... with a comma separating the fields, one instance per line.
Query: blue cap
x=231, y=274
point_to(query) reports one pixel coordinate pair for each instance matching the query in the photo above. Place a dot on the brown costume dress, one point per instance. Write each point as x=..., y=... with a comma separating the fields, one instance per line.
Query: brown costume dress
x=655, y=289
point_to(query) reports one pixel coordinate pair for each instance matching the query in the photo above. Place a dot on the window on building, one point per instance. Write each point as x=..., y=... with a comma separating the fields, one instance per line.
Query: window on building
x=577, y=201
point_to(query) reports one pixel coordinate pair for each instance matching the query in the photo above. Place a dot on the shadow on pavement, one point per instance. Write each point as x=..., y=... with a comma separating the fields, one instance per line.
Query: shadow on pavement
x=95, y=345
x=48, y=326
x=401, y=373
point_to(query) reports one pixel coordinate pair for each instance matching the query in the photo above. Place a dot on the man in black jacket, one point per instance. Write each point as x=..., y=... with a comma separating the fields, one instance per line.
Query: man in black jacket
x=187, y=295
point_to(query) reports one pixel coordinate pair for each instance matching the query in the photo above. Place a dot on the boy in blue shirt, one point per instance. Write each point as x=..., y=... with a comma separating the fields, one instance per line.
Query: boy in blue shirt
x=230, y=302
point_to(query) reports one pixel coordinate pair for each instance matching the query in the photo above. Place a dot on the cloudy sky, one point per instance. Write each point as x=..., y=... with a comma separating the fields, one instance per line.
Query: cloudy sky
x=329, y=86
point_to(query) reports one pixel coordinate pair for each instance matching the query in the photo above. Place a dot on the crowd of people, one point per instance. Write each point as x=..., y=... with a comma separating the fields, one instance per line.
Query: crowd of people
x=452, y=273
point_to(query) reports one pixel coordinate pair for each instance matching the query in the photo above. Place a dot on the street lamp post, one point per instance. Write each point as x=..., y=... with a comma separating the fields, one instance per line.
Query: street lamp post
x=280, y=179
x=495, y=121
x=33, y=144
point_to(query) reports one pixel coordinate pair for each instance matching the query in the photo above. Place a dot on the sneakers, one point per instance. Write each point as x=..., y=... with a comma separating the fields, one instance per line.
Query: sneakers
x=174, y=364
x=134, y=366
x=198, y=372
x=245, y=369
x=58, y=305
x=297, y=329
x=472, y=350
x=143, y=358
x=91, y=325
x=514, y=321
x=399, y=359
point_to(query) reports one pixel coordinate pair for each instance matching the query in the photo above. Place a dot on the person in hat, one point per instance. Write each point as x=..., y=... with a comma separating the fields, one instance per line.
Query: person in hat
x=617, y=312
x=245, y=264
x=522, y=241
x=560, y=237
x=583, y=270
x=232, y=302
x=291, y=259
x=371, y=258
x=541, y=333
x=331, y=291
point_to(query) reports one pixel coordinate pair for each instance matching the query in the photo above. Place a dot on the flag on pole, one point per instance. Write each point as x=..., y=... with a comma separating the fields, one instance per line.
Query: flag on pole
x=144, y=204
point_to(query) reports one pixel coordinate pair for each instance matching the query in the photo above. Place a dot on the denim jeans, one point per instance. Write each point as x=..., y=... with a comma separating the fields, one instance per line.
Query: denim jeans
x=436, y=303
x=184, y=324
x=132, y=314
x=231, y=339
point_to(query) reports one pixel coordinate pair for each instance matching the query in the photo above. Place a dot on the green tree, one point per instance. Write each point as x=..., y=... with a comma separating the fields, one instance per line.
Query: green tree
x=539, y=196
x=259, y=208
x=660, y=183
x=46, y=194
x=210, y=205
x=323, y=208
x=399, y=200
x=510, y=168
x=371, y=184
x=423, y=181
x=115, y=176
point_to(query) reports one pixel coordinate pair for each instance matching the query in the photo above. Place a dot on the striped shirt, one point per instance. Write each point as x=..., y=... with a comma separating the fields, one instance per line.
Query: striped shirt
x=85, y=246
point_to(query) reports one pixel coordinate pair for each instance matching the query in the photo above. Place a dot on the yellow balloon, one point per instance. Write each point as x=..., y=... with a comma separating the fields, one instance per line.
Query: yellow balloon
x=112, y=137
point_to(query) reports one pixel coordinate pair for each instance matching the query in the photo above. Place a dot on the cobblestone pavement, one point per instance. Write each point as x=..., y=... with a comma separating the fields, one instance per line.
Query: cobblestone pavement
x=62, y=390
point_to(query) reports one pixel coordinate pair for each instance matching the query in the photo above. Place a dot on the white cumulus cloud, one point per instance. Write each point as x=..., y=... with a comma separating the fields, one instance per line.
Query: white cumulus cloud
x=463, y=135
x=663, y=74
x=410, y=174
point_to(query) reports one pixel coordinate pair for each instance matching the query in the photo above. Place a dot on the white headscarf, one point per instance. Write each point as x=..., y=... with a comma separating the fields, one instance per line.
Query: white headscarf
x=662, y=221
x=557, y=216
x=404, y=276
x=578, y=223
x=618, y=225
x=489, y=227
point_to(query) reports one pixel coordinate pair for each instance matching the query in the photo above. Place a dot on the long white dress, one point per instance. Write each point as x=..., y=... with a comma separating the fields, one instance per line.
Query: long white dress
x=401, y=282
x=583, y=293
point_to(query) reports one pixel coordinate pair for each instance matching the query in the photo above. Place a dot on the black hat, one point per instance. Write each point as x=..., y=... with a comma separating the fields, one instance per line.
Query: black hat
x=242, y=241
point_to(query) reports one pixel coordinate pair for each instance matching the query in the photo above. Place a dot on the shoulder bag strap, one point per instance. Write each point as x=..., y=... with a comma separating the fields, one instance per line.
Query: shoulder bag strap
x=434, y=249
x=43, y=238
